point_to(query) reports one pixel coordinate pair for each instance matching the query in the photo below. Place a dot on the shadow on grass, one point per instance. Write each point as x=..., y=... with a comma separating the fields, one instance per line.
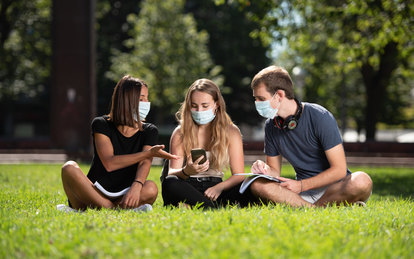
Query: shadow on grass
x=394, y=185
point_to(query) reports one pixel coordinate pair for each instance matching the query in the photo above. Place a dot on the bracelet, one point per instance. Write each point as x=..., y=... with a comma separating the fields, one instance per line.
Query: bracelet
x=138, y=181
x=301, y=185
x=182, y=171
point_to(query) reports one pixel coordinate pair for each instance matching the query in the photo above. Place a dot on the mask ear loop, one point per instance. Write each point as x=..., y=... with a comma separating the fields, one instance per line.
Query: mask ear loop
x=278, y=105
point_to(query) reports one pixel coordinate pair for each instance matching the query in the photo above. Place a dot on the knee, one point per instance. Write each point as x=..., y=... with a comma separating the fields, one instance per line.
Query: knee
x=151, y=188
x=362, y=183
x=149, y=193
x=69, y=168
x=170, y=185
x=363, y=180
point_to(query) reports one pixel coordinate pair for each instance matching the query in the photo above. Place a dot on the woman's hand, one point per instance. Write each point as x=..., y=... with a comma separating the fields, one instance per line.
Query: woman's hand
x=193, y=167
x=157, y=151
x=131, y=198
x=213, y=192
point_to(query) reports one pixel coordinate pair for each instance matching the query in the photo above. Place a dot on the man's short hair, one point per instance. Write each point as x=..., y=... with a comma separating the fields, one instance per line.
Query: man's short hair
x=274, y=78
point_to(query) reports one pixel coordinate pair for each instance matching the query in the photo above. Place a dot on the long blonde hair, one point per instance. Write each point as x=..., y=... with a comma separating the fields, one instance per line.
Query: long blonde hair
x=219, y=140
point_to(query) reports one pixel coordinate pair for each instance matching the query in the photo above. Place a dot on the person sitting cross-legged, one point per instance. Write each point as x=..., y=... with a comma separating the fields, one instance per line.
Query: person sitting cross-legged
x=307, y=135
x=123, y=150
x=204, y=123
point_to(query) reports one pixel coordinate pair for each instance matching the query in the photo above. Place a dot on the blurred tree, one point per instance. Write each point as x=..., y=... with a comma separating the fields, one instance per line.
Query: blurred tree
x=350, y=49
x=25, y=58
x=232, y=47
x=112, y=30
x=167, y=51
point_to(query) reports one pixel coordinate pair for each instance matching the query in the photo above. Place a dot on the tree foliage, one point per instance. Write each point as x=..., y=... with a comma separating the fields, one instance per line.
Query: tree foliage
x=167, y=51
x=350, y=49
x=112, y=30
x=234, y=49
x=25, y=64
x=356, y=56
x=25, y=48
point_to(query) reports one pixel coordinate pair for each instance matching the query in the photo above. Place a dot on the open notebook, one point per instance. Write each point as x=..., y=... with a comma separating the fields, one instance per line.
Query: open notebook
x=252, y=177
x=110, y=194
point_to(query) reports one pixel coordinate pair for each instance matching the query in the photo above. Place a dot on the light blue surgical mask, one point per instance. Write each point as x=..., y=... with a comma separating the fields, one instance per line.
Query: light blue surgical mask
x=265, y=109
x=203, y=117
x=144, y=108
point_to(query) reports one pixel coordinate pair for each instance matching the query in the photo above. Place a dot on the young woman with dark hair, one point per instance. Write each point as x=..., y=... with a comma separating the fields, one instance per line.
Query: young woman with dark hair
x=123, y=150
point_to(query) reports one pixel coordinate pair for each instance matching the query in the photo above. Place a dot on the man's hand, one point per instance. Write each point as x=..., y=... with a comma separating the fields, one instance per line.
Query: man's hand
x=213, y=192
x=131, y=198
x=260, y=167
x=293, y=185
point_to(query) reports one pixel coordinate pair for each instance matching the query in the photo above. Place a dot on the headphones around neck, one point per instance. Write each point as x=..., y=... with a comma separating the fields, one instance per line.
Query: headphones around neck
x=290, y=122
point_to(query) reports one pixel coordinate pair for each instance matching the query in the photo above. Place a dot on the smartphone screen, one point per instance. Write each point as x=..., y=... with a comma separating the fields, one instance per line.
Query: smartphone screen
x=197, y=153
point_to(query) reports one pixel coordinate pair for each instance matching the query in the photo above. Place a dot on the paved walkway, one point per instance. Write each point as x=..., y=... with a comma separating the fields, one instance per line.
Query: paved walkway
x=355, y=159
x=381, y=161
x=59, y=158
x=19, y=158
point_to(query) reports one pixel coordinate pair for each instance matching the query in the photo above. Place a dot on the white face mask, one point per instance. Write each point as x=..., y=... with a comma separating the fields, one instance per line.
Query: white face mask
x=203, y=117
x=265, y=109
x=144, y=108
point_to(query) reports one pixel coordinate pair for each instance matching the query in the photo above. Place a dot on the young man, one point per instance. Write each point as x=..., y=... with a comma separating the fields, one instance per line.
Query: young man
x=307, y=135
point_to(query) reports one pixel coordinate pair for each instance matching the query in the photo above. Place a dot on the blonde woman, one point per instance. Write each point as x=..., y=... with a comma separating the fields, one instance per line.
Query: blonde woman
x=204, y=123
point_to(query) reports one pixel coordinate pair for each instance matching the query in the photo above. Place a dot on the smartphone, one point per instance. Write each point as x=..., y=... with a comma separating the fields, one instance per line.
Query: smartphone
x=197, y=153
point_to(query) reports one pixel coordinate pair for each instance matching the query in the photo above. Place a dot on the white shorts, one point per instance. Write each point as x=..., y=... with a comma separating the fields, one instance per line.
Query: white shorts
x=313, y=195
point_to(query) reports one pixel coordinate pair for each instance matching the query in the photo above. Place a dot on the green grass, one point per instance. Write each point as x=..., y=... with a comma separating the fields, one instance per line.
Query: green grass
x=31, y=227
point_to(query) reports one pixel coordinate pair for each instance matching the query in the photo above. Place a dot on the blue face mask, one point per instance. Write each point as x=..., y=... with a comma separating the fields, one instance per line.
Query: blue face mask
x=144, y=108
x=265, y=109
x=203, y=117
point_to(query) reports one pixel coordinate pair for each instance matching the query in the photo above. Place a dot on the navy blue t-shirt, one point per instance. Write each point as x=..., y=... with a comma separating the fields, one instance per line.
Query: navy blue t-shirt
x=119, y=179
x=305, y=146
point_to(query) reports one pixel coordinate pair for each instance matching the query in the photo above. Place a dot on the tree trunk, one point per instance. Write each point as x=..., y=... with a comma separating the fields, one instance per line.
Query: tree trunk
x=376, y=83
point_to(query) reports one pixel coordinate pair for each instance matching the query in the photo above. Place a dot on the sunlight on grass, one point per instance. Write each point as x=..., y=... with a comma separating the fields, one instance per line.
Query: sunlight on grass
x=32, y=227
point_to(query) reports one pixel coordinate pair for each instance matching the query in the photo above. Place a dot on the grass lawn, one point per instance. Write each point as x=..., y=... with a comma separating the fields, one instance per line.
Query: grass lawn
x=31, y=227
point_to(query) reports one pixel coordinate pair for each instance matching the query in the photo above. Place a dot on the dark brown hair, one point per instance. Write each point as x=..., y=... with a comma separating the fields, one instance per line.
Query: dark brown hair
x=125, y=102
